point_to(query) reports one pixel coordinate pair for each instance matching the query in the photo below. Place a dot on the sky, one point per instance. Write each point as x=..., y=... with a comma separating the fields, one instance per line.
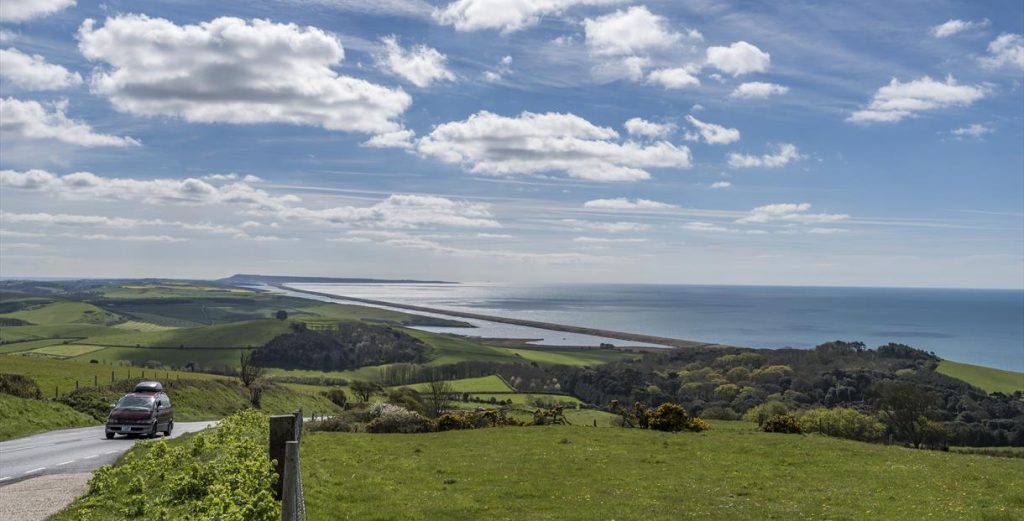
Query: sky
x=768, y=143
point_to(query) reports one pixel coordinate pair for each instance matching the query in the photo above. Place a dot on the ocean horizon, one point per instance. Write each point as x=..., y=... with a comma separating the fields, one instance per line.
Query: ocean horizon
x=975, y=326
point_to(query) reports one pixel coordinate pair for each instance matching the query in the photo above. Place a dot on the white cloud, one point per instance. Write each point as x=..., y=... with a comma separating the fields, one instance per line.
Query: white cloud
x=702, y=226
x=642, y=127
x=504, y=67
x=504, y=15
x=230, y=70
x=789, y=213
x=129, y=238
x=22, y=10
x=738, y=58
x=31, y=120
x=622, y=203
x=826, y=231
x=494, y=236
x=952, y=27
x=711, y=134
x=420, y=65
x=631, y=32
x=786, y=154
x=399, y=211
x=34, y=73
x=89, y=186
x=608, y=240
x=758, y=89
x=975, y=130
x=420, y=243
x=674, y=78
x=718, y=185
x=1006, y=50
x=396, y=139
x=608, y=227
x=486, y=143
x=898, y=100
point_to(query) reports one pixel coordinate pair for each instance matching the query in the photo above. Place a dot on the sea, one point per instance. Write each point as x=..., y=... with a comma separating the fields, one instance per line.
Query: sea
x=975, y=326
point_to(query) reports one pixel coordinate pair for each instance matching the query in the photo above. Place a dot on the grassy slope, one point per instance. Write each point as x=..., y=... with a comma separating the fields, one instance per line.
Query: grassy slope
x=730, y=472
x=21, y=416
x=239, y=334
x=172, y=357
x=987, y=378
x=483, y=384
x=50, y=374
x=66, y=313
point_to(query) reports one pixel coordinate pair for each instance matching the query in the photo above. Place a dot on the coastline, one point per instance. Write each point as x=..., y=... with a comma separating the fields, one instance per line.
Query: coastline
x=618, y=335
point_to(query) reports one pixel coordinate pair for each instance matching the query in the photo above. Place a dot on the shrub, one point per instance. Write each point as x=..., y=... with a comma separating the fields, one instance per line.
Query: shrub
x=761, y=413
x=672, y=417
x=455, y=421
x=342, y=423
x=337, y=396
x=390, y=418
x=20, y=386
x=842, y=422
x=716, y=412
x=783, y=423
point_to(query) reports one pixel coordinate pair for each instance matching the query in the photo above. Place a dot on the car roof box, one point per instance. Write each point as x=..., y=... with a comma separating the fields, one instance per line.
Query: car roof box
x=149, y=387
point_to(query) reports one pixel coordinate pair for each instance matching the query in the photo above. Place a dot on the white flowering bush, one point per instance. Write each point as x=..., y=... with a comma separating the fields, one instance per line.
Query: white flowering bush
x=390, y=418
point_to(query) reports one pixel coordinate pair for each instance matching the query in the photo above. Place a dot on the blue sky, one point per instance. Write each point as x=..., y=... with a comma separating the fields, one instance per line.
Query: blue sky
x=876, y=144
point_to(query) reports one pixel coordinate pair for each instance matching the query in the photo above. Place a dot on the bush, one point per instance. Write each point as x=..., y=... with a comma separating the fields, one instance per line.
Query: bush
x=783, y=423
x=842, y=422
x=761, y=413
x=20, y=386
x=388, y=418
x=221, y=473
x=455, y=422
x=716, y=412
x=340, y=423
x=336, y=396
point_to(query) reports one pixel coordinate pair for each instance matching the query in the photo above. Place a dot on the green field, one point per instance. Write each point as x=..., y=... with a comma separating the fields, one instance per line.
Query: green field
x=483, y=384
x=237, y=334
x=65, y=313
x=21, y=416
x=28, y=345
x=142, y=327
x=60, y=375
x=567, y=473
x=986, y=378
x=170, y=357
x=65, y=350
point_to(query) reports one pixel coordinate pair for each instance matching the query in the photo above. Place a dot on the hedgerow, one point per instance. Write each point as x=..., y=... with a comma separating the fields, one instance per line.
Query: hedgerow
x=221, y=473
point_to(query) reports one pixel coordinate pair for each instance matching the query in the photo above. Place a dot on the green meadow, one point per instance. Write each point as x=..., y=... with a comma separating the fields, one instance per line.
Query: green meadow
x=731, y=472
x=986, y=378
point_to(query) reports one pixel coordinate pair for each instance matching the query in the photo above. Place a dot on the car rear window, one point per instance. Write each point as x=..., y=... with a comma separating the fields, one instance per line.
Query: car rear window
x=136, y=402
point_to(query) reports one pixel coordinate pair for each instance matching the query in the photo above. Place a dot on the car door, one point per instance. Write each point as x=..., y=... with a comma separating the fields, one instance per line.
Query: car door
x=164, y=412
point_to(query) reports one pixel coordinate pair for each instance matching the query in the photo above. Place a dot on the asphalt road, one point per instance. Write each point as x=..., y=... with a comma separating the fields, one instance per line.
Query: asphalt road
x=68, y=451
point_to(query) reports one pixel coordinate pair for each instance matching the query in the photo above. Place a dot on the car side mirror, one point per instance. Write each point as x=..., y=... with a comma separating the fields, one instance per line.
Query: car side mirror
x=113, y=405
x=159, y=404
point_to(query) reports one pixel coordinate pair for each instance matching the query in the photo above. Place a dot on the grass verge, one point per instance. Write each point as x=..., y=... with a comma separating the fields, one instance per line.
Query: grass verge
x=986, y=378
x=23, y=416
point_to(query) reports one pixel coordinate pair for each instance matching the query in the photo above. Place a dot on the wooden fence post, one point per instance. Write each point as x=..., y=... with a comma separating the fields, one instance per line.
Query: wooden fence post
x=290, y=493
x=282, y=430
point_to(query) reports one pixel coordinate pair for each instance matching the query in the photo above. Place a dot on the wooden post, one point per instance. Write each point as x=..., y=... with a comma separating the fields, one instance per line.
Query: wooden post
x=56, y=391
x=95, y=380
x=76, y=385
x=289, y=495
x=282, y=430
x=111, y=378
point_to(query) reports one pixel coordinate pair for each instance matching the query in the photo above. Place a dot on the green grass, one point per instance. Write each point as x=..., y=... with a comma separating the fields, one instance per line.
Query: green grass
x=65, y=350
x=142, y=327
x=40, y=332
x=571, y=357
x=568, y=473
x=331, y=311
x=66, y=313
x=986, y=378
x=483, y=384
x=527, y=398
x=29, y=345
x=61, y=375
x=169, y=357
x=21, y=417
x=238, y=334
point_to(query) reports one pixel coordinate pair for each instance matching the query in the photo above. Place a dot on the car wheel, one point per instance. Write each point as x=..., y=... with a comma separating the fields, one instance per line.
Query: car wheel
x=110, y=435
x=152, y=433
x=170, y=426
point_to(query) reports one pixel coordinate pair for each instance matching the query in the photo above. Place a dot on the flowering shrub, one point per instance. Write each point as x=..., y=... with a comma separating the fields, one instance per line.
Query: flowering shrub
x=388, y=418
x=672, y=417
x=454, y=422
x=842, y=422
x=784, y=423
x=221, y=473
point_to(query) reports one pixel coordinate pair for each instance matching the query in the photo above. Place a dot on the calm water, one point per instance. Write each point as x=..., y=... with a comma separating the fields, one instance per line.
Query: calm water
x=983, y=327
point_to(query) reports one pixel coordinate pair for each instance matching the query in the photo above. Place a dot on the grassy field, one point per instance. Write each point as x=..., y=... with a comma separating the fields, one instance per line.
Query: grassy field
x=483, y=384
x=171, y=357
x=65, y=313
x=21, y=417
x=29, y=345
x=60, y=375
x=238, y=334
x=571, y=357
x=986, y=378
x=65, y=350
x=566, y=473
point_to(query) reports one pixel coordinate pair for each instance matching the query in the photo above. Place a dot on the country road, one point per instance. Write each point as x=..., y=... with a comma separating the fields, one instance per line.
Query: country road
x=67, y=451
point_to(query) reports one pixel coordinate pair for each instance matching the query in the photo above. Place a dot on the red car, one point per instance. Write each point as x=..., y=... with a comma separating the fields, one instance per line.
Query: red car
x=143, y=412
